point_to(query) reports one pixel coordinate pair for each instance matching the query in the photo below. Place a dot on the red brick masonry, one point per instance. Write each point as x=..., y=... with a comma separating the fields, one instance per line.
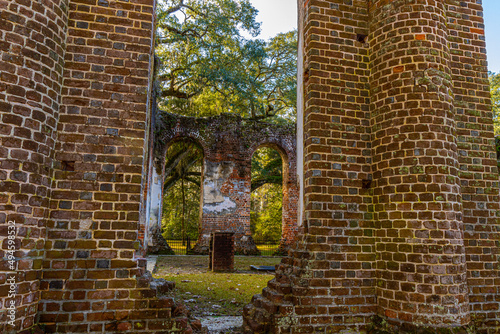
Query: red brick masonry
x=221, y=251
x=228, y=143
x=401, y=184
x=401, y=206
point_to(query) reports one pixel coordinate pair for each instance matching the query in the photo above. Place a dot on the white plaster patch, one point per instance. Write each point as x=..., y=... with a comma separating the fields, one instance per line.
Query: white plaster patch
x=226, y=205
x=216, y=174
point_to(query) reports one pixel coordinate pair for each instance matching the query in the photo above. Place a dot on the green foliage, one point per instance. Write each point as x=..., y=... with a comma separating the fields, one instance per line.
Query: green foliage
x=266, y=213
x=208, y=67
x=267, y=167
x=172, y=212
x=495, y=99
x=267, y=194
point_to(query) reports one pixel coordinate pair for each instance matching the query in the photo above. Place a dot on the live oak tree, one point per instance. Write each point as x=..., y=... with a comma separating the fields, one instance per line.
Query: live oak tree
x=181, y=203
x=208, y=65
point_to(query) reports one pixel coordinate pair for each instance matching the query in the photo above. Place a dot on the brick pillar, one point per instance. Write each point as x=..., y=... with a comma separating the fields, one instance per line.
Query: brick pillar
x=418, y=208
x=477, y=157
x=326, y=284
x=93, y=279
x=290, y=200
x=32, y=47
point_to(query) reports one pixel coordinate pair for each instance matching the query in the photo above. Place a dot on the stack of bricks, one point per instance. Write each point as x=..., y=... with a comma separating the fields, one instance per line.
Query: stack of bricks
x=228, y=143
x=221, y=254
x=397, y=101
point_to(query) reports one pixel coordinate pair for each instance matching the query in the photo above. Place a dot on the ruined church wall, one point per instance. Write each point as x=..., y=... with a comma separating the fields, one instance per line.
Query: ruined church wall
x=32, y=50
x=75, y=84
x=228, y=143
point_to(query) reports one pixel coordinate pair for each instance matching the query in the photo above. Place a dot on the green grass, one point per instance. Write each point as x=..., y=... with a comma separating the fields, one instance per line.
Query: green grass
x=230, y=291
x=200, y=290
x=268, y=249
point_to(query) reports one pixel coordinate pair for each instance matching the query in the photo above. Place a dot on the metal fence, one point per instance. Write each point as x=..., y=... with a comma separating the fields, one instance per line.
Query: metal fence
x=180, y=247
x=266, y=247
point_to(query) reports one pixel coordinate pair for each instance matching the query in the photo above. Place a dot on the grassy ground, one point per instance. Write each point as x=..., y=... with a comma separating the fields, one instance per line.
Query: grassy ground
x=208, y=293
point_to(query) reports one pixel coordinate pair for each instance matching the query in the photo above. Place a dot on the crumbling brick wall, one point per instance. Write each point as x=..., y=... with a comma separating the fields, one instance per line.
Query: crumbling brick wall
x=228, y=143
x=401, y=184
x=74, y=107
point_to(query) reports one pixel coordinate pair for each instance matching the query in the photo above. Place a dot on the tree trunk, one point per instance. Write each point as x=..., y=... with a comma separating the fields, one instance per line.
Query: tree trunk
x=183, y=226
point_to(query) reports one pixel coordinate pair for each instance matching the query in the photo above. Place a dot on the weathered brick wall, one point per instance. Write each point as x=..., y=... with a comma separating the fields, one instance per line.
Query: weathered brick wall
x=228, y=143
x=423, y=246
x=421, y=271
x=32, y=49
x=75, y=81
x=477, y=159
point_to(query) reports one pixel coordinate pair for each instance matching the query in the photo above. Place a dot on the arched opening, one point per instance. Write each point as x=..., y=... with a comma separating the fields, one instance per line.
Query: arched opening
x=268, y=187
x=182, y=189
x=202, y=72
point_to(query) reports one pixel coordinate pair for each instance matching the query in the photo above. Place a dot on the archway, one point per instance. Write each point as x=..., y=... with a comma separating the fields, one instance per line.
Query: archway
x=268, y=187
x=182, y=192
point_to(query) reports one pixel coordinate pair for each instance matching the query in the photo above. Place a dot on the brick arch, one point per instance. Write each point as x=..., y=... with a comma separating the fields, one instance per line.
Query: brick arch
x=187, y=138
x=289, y=228
x=228, y=142
x=278, y=146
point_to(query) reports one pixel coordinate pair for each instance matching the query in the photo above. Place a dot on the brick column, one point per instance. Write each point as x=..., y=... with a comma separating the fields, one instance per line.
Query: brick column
x=290, y=201
x=32, y=47
x=477, y=157
x=418, y=208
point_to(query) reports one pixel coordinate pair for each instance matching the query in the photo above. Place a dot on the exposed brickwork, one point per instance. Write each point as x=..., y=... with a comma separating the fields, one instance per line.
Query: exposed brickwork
x=74, y=107
x=228, y=143
x=420, y=249
x=400, y=179
x=477, y=159
x=221, y=251
x=32, y=48
x=421, y=271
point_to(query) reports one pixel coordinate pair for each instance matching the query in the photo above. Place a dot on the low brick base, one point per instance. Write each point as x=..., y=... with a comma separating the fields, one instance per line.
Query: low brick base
x=221, y=252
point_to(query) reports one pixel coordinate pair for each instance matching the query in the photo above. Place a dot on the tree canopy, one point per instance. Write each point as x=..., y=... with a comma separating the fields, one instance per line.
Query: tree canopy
x=211, y=62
